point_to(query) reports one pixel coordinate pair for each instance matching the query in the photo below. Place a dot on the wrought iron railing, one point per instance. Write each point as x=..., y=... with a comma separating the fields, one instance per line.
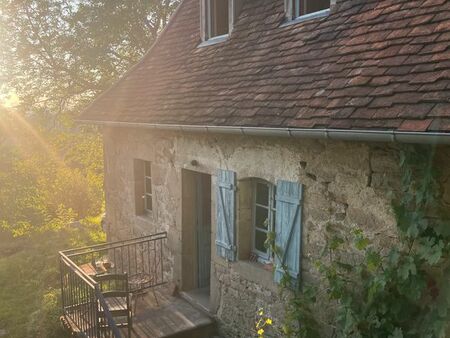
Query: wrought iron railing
x=142, y=259
x=82, y=301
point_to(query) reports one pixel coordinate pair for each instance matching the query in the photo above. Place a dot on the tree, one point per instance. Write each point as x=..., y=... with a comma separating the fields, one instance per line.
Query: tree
x=58, y=54
x=48, y=179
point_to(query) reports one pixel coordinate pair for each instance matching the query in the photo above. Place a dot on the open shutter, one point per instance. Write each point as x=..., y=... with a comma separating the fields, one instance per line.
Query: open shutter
x=288, y=229
x=225, y=209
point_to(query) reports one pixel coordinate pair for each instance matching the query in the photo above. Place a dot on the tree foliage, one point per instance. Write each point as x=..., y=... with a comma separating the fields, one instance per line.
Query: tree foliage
x=47, y=179
x=29, y=279
x=58, y=54
x=51, y=198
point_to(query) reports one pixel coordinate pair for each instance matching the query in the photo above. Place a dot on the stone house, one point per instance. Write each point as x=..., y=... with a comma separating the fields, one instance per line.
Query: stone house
x=255, y=116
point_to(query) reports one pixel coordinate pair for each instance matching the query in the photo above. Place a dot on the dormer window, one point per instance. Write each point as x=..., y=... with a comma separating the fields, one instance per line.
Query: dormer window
x=298, y=10
x=217, y=19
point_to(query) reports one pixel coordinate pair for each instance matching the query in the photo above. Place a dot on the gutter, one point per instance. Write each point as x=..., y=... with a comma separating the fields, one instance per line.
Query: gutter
x=325, y=133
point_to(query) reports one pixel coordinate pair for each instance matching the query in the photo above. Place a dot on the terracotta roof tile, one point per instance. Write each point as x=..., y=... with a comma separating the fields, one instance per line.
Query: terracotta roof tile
x=371, y=64
x=440, y=125
x=441, y=110
x=415, y=125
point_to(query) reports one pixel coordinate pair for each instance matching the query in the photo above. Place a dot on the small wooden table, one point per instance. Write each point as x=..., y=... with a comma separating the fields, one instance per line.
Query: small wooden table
x=91, y=270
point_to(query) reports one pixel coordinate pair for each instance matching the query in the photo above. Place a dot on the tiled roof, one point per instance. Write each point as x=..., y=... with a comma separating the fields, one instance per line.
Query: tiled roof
x=370, y=64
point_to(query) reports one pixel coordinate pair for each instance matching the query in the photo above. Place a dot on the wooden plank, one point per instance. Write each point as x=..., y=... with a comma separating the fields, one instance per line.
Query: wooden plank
x=90, y=270
x=171, y=317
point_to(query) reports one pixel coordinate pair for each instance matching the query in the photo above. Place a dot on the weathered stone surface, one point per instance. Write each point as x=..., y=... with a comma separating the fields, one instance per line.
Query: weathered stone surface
x=346, y=184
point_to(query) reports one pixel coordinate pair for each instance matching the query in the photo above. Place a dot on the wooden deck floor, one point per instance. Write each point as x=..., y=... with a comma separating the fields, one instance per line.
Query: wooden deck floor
x=168, y=316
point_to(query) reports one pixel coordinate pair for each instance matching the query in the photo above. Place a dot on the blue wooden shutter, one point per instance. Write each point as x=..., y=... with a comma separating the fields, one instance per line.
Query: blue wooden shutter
x=288, y=229
x=225, y=211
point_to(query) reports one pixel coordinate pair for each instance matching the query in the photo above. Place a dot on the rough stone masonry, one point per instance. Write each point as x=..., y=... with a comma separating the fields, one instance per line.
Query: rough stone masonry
x=346, y=183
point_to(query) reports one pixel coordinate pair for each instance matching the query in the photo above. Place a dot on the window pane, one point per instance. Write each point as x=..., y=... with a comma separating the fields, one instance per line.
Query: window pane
x=148, y=185
x=274, y=197
x=148, y=169
x=148, y=202
x=262, y=218
x=295, y=8
x=274, y=216
x=219, y=17
x=262, y=194
x=311, y=6
x=260, y=238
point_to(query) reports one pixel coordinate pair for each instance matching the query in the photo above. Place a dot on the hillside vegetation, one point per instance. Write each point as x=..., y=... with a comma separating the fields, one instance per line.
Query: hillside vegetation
x=51, y=198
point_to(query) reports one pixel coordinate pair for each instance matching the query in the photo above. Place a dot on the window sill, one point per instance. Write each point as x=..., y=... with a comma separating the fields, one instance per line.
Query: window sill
x=307, y=17
x=261, y=274
x=264, y=266
x=143, y=225
x=214, y=41
x=148, y=218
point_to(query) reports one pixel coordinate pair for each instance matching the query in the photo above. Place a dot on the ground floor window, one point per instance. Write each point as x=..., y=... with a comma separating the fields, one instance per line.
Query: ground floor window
x=143, y=187
x=264, y=213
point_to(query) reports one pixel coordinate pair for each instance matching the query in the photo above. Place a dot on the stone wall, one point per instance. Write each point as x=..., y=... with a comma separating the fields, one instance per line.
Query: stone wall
x=345, y=183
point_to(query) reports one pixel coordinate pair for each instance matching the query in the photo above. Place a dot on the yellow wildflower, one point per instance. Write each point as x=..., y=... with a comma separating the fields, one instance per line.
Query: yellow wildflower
x=260, y=332
x=269, y=321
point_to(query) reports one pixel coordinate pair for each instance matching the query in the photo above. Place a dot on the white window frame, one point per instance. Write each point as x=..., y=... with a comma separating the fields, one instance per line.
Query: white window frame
x=292, y=17
x=148, y=195
x=234, y=7
x=263, y=257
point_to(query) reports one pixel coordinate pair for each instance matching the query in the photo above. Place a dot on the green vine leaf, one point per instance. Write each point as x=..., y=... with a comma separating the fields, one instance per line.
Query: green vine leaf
x=373, y=260
x=362, y=243
x=398, y=333
x=336, y=242
x=393, y=257
x=407, y=268
x=431, y=250
x=404, y=293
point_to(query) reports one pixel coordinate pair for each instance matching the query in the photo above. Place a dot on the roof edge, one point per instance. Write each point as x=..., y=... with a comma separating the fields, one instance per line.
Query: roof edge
x=361, y=135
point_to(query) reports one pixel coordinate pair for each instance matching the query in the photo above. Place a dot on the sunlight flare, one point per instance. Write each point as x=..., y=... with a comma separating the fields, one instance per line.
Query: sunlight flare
x=13, y=125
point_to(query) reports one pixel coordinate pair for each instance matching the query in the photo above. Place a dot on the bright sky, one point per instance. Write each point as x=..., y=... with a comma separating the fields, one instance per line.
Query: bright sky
x=10, y=100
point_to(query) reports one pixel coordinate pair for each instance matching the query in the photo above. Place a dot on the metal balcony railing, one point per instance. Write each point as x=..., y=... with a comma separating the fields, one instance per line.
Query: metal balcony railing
x=84, y=306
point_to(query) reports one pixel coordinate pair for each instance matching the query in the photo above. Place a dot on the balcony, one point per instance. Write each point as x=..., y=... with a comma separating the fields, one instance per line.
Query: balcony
x=121, y=289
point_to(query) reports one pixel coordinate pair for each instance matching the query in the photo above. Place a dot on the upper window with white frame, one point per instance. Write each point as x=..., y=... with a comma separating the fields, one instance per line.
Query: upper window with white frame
x=264, y=212
x=217, y=19
x=297, y=9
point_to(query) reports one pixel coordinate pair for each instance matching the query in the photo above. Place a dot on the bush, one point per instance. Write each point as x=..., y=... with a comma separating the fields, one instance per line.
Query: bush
x=30, y=282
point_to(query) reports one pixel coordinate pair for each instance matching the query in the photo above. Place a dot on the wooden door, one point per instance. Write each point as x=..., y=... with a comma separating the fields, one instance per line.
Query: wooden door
x=203, y=226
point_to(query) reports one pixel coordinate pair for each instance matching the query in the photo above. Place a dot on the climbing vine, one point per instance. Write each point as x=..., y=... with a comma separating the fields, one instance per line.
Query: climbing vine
x=402, y=291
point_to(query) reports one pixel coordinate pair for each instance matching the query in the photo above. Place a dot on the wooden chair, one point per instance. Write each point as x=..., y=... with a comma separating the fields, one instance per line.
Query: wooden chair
x=115, y=290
